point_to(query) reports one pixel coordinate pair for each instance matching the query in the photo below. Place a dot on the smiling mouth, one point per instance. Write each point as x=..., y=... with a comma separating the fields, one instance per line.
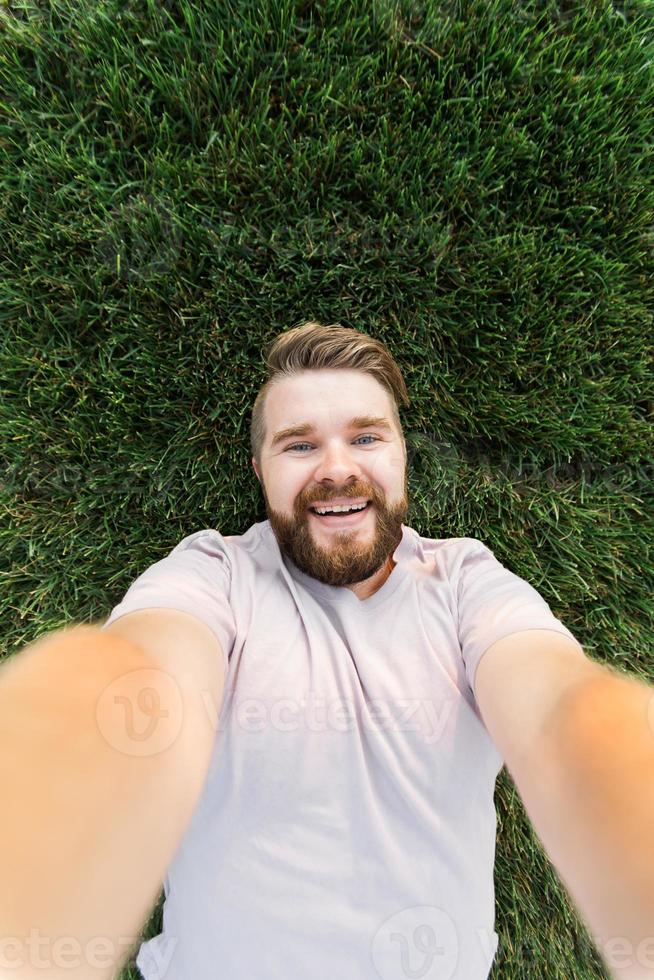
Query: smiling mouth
x=342, y=518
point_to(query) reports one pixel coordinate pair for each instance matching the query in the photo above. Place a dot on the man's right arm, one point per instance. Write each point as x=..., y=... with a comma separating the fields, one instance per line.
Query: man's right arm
x=106, y=736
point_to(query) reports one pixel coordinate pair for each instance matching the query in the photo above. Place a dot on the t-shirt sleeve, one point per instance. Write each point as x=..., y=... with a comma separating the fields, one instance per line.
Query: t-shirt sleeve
x=494, y=602
x=194, y=578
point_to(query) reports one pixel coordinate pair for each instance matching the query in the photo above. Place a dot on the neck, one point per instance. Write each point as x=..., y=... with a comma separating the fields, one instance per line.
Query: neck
x=363, y=590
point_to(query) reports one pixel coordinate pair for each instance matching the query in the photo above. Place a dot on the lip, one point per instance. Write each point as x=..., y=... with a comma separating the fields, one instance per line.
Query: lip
x=342, y=520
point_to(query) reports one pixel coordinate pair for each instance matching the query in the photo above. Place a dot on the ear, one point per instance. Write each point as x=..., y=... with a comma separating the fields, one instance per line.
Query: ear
x=256, y=469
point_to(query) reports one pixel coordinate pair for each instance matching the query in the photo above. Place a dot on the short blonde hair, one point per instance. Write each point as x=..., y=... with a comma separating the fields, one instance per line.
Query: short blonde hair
x=316, y=346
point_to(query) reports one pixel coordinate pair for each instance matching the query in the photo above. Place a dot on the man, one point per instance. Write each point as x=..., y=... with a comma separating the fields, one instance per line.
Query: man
x=366, y=686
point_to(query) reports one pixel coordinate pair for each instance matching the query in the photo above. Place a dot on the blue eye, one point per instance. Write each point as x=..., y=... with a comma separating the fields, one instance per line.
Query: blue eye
x=296, y=444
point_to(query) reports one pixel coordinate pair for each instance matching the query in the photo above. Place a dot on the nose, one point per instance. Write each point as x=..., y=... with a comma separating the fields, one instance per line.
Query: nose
x=337, y=464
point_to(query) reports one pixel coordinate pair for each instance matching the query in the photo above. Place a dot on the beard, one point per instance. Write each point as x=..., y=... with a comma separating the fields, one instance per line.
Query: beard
x=347, y=557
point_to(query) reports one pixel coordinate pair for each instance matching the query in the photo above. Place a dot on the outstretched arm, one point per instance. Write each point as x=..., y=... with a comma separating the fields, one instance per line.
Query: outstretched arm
x=578, y=741
x=589, y=791
x=94, y=799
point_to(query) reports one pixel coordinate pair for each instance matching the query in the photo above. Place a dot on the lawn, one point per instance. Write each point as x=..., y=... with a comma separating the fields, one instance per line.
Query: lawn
x=471, y=182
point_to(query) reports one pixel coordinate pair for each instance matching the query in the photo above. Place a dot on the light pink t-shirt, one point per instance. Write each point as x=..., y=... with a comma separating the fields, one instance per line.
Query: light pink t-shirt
x=346, y=828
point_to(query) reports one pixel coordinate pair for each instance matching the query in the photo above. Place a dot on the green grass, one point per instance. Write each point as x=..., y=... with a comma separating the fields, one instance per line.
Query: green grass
x=471, y=182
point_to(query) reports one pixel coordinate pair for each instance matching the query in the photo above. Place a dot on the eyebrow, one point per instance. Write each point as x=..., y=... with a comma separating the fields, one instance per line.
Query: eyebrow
x=358, y=422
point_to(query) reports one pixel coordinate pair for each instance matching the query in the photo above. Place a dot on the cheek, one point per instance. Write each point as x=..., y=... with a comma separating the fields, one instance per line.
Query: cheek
x=386, y=470
x=285, y=487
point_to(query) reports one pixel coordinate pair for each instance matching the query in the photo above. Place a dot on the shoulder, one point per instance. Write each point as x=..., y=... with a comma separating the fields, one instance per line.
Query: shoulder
x=209, y=541
x=450, y=555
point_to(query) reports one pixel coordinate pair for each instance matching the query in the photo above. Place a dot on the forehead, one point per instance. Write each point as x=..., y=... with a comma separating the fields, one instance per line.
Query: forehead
x=325, y=397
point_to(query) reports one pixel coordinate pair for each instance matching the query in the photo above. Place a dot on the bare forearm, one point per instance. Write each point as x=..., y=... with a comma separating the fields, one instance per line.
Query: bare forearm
x=92, y=811
x=590, y=797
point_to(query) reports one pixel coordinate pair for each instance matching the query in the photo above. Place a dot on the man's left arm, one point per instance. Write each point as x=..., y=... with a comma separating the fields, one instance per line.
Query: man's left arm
x=584, y=769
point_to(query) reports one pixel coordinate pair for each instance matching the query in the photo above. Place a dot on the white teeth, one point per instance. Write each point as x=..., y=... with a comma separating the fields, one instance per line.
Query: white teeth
x=339, y=509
